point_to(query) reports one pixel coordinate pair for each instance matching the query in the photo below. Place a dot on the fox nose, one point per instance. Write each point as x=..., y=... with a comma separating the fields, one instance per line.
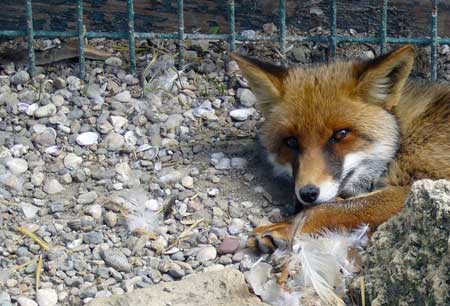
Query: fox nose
x=309, y=193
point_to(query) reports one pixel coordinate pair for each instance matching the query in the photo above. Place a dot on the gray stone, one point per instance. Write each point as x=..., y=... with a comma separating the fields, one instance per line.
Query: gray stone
x=246, y=97
x=110, y=219
x=118, y=122
x=124, y=96
x=24, y=301
x=174, y=121
x=74, y=83
x=20, y=78
x=171, y=177
x=242, y=114
x=93, y=237
x=17, y=166
x=87, y=139
x=46, y=297
x=238, y=162
x=29, y=210
x=116, y=260
x=72, y=161
x=408, y=259
x=175, y=271
x=45, y=111
x=207, y=254
x=114, y=141
x=52, y=186
x=113, y=61
x=87, y=198
x=187, y=182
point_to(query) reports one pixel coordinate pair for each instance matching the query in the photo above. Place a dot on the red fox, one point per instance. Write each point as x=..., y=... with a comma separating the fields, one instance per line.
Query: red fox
x=357, y=130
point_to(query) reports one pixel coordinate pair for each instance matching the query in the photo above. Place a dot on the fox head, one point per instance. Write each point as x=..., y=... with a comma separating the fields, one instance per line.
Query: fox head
x=331, y=127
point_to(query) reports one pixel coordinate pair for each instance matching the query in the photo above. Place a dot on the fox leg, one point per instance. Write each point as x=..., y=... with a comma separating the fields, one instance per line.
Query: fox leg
x=373, y=209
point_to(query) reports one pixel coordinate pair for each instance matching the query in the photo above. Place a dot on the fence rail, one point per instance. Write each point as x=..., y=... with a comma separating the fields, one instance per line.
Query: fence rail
x=232, y=37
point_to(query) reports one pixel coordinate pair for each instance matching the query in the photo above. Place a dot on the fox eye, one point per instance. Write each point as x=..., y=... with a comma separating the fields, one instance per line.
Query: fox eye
x=292, y=143
x=339, y=135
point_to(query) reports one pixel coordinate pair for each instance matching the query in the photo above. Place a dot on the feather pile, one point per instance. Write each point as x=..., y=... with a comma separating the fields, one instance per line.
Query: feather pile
x=318, y=266
x=142, y=212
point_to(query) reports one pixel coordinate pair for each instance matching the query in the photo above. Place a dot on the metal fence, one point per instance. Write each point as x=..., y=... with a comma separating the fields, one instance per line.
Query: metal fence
x=332, y=39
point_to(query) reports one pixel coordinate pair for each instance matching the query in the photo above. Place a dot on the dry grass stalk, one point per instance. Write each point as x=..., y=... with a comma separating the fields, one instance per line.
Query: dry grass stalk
x=44, y=245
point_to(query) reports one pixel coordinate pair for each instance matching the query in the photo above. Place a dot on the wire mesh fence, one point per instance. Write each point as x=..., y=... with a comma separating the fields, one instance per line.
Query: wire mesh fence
x=333, y=39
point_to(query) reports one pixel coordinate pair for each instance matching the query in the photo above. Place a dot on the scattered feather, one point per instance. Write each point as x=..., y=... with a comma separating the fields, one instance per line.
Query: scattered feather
x=140, y=215
x=318, y=266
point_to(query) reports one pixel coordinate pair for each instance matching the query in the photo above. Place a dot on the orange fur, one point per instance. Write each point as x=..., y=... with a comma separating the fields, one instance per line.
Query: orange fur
x=376, y=103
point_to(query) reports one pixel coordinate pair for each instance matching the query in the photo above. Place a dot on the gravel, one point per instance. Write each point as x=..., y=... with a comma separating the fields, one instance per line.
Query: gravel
x=87, y=165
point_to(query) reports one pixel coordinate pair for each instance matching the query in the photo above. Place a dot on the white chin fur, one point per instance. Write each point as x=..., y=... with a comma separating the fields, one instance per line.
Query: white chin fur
x=328, y=192
x=278, y=168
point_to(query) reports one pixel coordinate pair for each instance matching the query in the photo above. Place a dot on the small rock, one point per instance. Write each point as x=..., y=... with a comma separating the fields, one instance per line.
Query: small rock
x=213, y=192
x=29, y=210
x=224, y=164
x=242, y=114
x=114, y=141
x=45, y=111
x=17, y=165
x=300, y=53
x=93, y=237
x=56, y=207
x=24, y=301
x=187, y=182
x=250, y=34
x=52, y=186
x=87, y=139
x=246, y=97
x=236, y=226
x=95, y=211
x=37, y=178
x=116, y=260
x=46, y=297
x=175, y=271
x=206, y=254
x=87, y=198
x=238, y=163
x=45, y=137
x=20, y=78
x=72, y=161
x=74, y=83
x=228, y=246
x=174, y=121
x=110, y=219
x=118, y=122
x=124, y=96
x=232, y=67
x=171, y=177
x=113, y=61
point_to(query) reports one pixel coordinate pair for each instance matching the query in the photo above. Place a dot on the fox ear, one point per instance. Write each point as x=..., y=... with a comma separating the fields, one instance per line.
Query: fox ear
x=381, y=80
x=265, y=79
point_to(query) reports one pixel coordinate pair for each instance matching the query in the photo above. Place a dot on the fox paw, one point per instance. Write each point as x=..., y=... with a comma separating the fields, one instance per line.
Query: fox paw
x=269, y=237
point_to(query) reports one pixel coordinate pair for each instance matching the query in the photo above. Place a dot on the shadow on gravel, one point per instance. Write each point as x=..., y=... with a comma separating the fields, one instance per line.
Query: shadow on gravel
x=281, y=189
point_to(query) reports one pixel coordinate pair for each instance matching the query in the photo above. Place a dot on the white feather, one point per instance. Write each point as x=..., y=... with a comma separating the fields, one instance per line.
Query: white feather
x=140, y=214
x=316, y=263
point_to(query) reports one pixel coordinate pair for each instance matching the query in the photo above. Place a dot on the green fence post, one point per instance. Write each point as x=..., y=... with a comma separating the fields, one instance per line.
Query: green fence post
x=81, y=33
x=333, y=25
x=383, y=26
x=131, y=34
x=30, y=38
x=282, y=38
x=180, y=6
x=434, y=39
x=231, y=20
